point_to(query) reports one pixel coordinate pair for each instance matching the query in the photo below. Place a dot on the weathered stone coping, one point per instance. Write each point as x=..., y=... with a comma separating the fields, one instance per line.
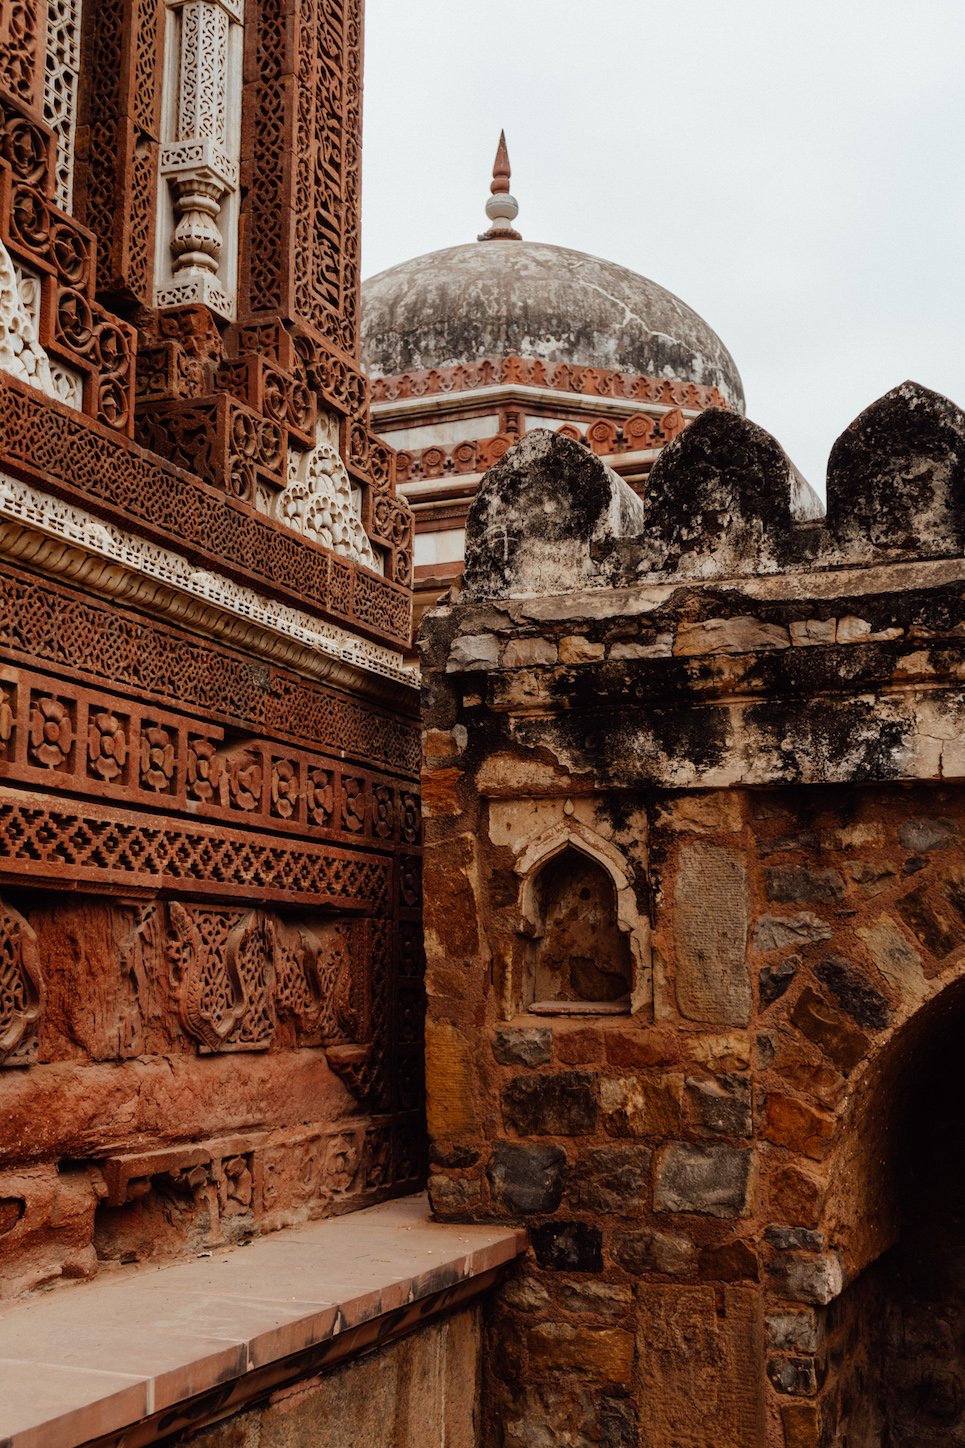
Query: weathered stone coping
x=793, y=586
x=133, y=1359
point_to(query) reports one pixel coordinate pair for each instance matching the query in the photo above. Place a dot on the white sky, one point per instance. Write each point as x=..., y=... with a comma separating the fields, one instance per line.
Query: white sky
x=795, y=172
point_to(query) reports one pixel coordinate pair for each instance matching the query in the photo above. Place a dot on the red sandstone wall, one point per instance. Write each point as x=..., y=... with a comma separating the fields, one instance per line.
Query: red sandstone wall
x=210, y=955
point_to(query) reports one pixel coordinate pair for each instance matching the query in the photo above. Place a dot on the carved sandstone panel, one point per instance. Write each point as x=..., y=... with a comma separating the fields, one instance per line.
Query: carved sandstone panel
x=21, y=988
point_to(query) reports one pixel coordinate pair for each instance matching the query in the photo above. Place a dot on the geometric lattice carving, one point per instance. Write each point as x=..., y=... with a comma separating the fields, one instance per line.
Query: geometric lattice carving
x=60, y=89
x=64, y=840
x=21, y=988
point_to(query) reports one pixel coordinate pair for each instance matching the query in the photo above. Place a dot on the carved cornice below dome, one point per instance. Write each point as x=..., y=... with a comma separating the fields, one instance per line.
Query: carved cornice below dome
x=558, y=377
x=640, y=432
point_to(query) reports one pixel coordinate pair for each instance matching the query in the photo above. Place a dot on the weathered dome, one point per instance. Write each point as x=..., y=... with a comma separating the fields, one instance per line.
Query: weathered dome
x=496, y=298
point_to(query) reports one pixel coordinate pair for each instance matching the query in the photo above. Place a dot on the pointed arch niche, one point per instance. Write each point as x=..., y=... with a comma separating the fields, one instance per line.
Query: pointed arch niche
x=584, y=943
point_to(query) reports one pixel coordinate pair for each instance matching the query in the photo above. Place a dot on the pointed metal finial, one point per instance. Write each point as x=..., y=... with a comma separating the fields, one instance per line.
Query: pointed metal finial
x=501, y=208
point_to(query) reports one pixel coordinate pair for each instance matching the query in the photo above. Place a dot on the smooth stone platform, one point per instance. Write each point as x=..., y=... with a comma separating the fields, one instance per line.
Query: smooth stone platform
x=82, y=1362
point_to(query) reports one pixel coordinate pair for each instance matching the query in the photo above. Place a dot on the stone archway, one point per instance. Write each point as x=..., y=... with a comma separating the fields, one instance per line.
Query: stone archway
x=893, y=1342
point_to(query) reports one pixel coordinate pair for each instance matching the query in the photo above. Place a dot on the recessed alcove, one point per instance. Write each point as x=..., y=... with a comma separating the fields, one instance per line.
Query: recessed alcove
x=579, y=958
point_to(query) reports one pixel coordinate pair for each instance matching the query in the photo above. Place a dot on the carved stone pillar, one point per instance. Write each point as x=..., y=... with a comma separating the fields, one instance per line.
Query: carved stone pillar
x=197, y=260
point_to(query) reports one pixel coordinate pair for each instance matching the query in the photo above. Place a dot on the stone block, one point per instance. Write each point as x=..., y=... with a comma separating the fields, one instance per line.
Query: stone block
x=603, y=1354
x=852, y=630
x=719, y=1104
x=646, y=1251
x=610, y=1179
x=618, y=1423
x=728, y=1052
x=817, y=1280
x=797, y=1377
x=802, y=885
x=788, y=932
x=542, y=1415
x=473, y=651
x=854, y=993
x=794, y=1196
x=730, y=636
x=810, y=631
x=819, y=1022
x=793, y=1332
x=661, y=647
x=871, y=876
x=526, y=1179
x=710, y=1180
x=591, y=1298
x=455, y=1196
x=895, y=956
x=700, y=1353
x=937, y=928
x=633, y=1046
x=579, y=1046
x=440, y=793
x=444, y=743
x=713, y=812
x=527, y=653
x=525, y=1293
x=735, y=1261
x=577, y=650
x=634, y=1106
x=551, y=1105
x=923, y=835
x=794, y=1239
x=798, y=1126
x=522, y=1045
x=802, y=1426
x=450, y=1106
x=710, y=936
x=568, y=1247
x=774, y=980
x=451, y=906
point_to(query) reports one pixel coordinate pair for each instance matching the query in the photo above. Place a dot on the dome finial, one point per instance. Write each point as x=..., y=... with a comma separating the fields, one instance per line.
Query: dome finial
x=501, y=208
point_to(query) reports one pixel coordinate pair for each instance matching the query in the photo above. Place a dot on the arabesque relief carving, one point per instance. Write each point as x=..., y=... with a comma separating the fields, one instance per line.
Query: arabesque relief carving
x=21, y=988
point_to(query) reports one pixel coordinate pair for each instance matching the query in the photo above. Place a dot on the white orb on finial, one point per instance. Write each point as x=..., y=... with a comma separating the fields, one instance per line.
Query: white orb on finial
x=502, y=207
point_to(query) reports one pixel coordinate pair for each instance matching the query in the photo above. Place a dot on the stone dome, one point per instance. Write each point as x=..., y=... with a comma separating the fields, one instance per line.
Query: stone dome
x=497, y=298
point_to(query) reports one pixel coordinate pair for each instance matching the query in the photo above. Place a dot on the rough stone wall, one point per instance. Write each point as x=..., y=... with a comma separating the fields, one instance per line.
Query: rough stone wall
x=754, y=727
x=421, y=1391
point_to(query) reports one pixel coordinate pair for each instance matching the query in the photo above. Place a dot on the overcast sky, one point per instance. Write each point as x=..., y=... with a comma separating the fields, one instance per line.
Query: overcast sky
x=794, y=172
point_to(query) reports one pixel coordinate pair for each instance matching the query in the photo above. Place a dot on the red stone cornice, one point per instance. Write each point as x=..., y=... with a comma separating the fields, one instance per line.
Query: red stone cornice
x=558, y=377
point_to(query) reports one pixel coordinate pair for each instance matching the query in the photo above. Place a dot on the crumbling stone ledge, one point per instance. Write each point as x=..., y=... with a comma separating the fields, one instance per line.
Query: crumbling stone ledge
x=134, y=1359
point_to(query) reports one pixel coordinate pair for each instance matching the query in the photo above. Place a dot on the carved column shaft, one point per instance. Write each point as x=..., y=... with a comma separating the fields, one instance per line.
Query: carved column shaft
x=302, y=162
x=200, y=160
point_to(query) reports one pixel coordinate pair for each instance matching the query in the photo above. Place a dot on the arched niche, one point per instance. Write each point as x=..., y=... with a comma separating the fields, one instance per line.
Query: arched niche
x=895, y=1338
x=583, y=932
